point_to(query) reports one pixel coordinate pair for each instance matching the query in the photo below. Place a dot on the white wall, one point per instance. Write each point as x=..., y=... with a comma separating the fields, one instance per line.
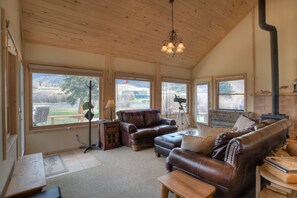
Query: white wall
x=283, y=15
x=61, y=139
x=234, y=54
x=12, y=14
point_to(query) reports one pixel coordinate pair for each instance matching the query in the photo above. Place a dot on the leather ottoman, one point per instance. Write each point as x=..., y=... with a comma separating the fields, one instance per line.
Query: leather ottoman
x=165, y=143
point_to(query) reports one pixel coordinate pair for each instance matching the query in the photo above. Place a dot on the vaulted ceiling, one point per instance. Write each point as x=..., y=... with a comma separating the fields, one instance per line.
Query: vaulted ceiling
x=133, y=29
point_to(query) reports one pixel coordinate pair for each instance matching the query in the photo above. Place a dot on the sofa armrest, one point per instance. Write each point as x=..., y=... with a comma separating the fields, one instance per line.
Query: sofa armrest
x=128, y=127
x=203, y=167
x=168, y=121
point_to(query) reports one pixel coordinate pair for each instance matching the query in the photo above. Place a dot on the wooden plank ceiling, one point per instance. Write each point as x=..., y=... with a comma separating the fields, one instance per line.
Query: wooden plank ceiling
x=133, y=29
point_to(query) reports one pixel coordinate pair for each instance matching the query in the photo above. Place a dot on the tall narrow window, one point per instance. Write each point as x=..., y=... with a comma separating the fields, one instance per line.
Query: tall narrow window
x=132, y=94
x=202, y=102
x=231, y=94
x=58, y=97
x=170, y=90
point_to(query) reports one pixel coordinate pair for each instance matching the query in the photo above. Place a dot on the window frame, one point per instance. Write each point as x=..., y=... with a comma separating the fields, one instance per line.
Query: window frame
x=181, y=81
x=208, y=101
x=230, y=78
x=66, y=70
x=10, y=80
x=136, y=77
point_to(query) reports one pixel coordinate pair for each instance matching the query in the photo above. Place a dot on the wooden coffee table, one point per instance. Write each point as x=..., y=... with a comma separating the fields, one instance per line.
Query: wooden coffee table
x=183, y=185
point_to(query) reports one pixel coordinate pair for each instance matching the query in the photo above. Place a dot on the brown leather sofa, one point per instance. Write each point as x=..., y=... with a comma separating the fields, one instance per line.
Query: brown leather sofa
x=140, y=127
x=235, y=175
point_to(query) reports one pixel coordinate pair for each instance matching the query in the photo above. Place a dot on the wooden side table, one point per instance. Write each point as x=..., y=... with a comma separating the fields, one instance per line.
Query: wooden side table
x=185, y=186
x=275, y=183
x=109, y=133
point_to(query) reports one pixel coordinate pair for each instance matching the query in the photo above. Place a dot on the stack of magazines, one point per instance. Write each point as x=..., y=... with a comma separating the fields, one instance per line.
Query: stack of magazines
x=285, y=168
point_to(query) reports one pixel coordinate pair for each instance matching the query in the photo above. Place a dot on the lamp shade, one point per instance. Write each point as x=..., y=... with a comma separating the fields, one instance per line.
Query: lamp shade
x=110, y=104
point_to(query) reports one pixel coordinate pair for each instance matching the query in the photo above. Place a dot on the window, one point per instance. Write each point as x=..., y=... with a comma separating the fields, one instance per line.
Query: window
x=170, y=90
x=132, y=94
x=231, y=94
x=58, y=97
x=202, y=102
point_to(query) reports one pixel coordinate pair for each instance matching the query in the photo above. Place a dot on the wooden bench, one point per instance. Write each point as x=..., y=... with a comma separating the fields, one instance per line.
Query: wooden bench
x=183, y=185
x=28, y=176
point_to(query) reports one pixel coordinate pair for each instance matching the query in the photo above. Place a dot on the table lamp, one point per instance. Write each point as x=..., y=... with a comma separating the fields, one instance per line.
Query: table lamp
x=110, y=105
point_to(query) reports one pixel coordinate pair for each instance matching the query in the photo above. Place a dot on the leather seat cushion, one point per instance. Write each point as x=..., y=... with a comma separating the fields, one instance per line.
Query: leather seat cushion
x=165, y=129
x=144, y=133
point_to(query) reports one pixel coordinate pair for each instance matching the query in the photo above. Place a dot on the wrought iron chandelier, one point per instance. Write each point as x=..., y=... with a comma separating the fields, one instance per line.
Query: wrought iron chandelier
x=174, y=43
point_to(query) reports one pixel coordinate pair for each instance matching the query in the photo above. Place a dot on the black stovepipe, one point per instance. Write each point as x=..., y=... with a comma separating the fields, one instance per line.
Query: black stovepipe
x=274, y=56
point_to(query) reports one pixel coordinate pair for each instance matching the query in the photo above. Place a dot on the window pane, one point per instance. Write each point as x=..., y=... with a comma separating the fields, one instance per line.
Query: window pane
x=169, y=91
x=202, y=103
x=58, y=99
x=231, y=94
x=132, y=94
x=231, y=87
x=234, y=102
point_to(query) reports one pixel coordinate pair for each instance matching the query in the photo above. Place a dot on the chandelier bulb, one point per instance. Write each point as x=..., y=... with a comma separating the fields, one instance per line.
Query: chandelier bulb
x=179, y=50
x=169, y=51
x=170, y=45
x=181, y=46
x=164, y=48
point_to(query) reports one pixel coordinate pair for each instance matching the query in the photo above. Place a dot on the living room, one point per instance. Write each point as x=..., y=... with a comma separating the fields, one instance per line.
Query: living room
x=237, y=48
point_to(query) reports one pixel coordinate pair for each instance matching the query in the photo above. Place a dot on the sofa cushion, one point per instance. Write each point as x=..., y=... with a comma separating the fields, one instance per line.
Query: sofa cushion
x=134, y=117
x=222, y=141
x=144, y=133
x=243, y=123
x=204, y=130
x=198, y=144
x=165, y=129
x=152, y=118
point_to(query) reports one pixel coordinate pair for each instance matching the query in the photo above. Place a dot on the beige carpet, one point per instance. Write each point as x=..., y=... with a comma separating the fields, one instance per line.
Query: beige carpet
x=123, y=173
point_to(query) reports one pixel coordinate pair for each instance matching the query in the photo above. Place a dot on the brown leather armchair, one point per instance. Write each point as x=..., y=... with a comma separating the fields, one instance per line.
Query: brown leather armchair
x=140, y=127
x=235, y=175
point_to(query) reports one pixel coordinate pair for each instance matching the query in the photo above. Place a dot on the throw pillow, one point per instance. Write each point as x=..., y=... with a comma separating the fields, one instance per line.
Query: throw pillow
x=222, y=141
x=243, y=123
x=198, y=144
x=204, y=130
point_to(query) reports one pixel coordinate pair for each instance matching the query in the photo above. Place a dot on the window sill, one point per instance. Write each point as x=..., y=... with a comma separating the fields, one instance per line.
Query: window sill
x=65, y=127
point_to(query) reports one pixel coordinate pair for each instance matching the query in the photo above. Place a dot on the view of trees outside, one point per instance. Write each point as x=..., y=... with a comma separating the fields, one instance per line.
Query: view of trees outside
x=132, y=94
x=202, y=103
x=169, y=90
x=61, y=98
x=231, y=94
